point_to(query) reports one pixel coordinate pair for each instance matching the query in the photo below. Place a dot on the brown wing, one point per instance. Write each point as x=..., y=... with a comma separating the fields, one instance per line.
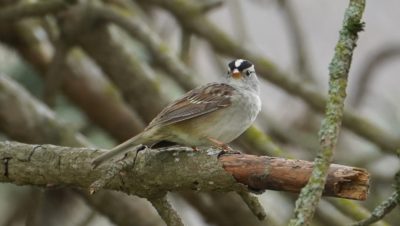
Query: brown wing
x=200, y=101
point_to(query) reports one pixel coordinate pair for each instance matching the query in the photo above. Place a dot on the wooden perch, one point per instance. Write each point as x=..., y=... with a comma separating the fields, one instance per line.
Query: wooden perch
x=156, y=172
x=263, y=172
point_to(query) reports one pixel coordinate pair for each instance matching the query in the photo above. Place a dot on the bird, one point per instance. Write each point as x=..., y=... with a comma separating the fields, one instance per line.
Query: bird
x=211, y=115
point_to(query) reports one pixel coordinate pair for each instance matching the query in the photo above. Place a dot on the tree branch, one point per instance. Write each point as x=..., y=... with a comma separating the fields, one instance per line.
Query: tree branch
x=225, y=209
x=385, y=207
x=84, y=83
x=253, y=204
x=366, y=75
x=136, y=27
x=123, y=209
x=297, y=38
x=381, y=210
x=338, y=73
x=165, y=210
x=21, y=115
x=26, y=119
x=354, y=210
x=130, y=74
x=54, y=79
x=156, y=172
x=20, y=11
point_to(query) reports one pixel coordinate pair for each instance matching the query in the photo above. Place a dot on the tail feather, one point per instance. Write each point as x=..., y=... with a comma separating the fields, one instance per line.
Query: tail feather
x=119, y=149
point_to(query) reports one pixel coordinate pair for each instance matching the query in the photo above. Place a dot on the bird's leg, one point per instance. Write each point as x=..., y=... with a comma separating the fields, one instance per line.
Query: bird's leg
x=220, y=144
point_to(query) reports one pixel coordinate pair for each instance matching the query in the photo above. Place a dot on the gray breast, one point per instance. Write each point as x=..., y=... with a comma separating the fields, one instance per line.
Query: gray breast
x=238, y=117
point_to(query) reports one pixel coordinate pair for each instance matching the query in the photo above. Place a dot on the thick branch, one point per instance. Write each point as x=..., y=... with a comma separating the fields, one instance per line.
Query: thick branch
x=131, y=75
x=20, y=11
x=136, y=26
x=21, y=116
x=156, y=172
x=26, y=119
x=84, y=83
x=261, y=172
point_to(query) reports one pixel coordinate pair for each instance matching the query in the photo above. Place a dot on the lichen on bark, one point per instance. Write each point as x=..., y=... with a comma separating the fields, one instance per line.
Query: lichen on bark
x=331, y=124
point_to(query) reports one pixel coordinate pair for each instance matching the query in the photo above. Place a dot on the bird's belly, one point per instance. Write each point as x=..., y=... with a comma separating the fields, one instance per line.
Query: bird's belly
x=224, y=125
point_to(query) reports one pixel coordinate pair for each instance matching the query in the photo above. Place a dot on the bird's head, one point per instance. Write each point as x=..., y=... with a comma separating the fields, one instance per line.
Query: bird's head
x=242, y=73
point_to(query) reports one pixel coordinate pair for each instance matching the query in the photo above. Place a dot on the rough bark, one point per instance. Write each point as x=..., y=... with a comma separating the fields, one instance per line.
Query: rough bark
x=156, y=172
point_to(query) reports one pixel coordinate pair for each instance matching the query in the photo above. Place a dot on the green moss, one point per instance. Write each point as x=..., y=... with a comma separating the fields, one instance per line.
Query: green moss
x=338, y=73
x=355, y=26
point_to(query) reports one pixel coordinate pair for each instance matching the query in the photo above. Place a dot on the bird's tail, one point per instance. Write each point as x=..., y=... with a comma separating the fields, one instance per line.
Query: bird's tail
x=119, y=149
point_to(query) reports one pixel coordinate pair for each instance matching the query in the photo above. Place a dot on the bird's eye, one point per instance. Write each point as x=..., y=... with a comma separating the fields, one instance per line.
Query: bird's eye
x=248, y=73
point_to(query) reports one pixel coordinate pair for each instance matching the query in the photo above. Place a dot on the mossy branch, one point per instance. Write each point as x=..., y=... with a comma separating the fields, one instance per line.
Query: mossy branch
x=156, y=172
x=338, y=73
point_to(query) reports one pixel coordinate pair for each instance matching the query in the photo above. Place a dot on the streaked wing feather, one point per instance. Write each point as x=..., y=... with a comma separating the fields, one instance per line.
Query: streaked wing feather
x=200, y=101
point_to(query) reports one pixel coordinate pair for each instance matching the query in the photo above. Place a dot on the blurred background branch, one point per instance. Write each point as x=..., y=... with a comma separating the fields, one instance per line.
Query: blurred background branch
x=106, y=67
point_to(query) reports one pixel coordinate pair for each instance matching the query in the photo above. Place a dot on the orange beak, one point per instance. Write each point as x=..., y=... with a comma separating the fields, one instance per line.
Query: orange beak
x=236, y=74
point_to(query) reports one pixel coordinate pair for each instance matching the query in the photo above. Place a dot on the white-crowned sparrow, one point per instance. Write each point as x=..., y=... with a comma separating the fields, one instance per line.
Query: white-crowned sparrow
x=213, y=114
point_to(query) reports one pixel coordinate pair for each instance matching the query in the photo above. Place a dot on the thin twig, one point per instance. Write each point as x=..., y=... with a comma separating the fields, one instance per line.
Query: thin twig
x=338, y=73
x=385, y=207
x=225, y=209
x=354, y=210
x=167, y=213
x=297, y=38
x=254, y=205
x=366, y=75
x=381, y=210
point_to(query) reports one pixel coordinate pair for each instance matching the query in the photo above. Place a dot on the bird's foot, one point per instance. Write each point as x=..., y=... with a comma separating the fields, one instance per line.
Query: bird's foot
x=219, y=144
x=225, y=149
